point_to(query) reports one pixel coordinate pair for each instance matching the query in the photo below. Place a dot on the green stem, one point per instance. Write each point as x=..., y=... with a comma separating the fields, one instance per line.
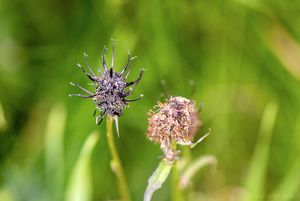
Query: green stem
x=186, y=153
x=115, y=163
x=176, y=191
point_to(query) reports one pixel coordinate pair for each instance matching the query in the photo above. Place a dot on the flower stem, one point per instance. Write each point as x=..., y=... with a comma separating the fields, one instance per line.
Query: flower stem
x=176, y=194
x=115, y=163
x=176, y=191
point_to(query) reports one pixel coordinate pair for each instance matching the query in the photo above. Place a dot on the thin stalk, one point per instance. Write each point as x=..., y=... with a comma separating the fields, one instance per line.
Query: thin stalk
x=176, y=192
x=187, y=155
x=115, y=163
x=186, y=152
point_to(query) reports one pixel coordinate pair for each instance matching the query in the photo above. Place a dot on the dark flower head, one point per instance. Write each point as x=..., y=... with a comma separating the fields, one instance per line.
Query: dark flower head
x=111, y=87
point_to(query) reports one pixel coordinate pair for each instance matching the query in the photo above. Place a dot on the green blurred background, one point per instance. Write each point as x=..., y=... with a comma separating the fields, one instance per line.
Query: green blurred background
x=242, y=55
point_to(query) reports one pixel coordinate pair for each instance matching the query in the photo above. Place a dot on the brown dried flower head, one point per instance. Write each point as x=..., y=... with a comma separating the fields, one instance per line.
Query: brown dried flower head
x=175, y=120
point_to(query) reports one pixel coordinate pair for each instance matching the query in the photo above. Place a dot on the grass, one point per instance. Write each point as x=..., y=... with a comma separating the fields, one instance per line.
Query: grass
x=241, y=55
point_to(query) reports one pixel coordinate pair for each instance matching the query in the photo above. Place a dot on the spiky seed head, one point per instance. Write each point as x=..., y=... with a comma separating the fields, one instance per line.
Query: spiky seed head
x=111, y=87
x=110, y=94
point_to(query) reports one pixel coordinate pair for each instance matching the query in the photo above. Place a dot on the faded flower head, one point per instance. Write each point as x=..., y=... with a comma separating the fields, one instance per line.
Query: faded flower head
x=176, y=120
x=111, y=87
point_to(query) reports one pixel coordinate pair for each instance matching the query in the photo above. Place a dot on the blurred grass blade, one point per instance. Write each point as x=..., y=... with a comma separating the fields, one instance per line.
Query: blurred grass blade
x=6, y=194
x=289, y=187
x=3, y=123
x=256, y=5
x=256, y=174
x=157, y=179
x=54, y=151
x=54, y=136
x=288, y=52
x=193, y=168
x=80, y=183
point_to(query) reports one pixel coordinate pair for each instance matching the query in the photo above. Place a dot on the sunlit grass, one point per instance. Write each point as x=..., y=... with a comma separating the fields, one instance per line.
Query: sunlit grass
x=240, y=54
